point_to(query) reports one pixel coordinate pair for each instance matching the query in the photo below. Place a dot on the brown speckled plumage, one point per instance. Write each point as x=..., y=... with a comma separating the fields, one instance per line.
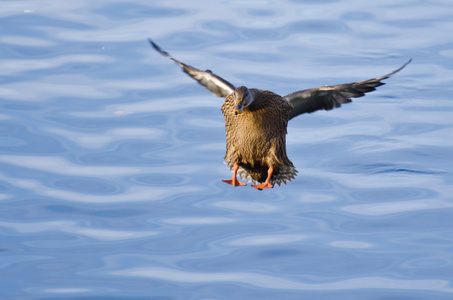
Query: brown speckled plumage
x=256, y=121
x=256, y=139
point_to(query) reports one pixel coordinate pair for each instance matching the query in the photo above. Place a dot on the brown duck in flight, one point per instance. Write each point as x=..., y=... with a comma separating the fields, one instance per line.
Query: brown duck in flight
x=256, y=121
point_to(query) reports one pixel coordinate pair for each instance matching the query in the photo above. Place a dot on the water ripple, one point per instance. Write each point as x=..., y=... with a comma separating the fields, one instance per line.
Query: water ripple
x=132, y=193
x=101, y=140
x=246, y=206
x=197, y=221
x=89, y=186
x=60, y=165
x=55, y=87
x=377, y=209
x=259, y=240
x=15, y=67
x=75, y=229
x=273, y=282
x=351, y=244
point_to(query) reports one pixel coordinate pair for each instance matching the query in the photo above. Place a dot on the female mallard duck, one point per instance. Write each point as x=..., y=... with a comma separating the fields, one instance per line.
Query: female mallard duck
x=256, y=122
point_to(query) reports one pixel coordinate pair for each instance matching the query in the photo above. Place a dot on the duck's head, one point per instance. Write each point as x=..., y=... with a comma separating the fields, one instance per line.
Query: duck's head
x=242, y=99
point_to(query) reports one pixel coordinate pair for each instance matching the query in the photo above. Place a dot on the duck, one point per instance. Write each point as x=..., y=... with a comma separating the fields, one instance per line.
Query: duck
x=256, y=121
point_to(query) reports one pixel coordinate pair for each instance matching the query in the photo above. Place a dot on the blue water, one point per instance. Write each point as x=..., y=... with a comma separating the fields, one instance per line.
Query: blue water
x=111, y=157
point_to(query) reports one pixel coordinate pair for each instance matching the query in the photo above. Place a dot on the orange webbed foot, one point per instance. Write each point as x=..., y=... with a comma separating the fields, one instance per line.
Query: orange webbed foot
x=234, y=182
x=263, y=186
x=267, y=183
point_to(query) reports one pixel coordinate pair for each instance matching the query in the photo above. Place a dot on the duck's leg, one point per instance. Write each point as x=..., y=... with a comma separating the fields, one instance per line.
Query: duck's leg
x=234, y=181
x=267, y=183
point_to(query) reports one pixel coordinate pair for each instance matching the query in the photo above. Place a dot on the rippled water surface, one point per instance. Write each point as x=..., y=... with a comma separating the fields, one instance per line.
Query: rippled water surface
x=111, y=157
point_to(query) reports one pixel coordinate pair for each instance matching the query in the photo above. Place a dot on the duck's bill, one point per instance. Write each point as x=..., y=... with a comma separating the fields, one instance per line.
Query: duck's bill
x=238, y=109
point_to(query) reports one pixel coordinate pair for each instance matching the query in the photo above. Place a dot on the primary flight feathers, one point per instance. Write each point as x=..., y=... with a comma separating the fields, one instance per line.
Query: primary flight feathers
x=303, y=101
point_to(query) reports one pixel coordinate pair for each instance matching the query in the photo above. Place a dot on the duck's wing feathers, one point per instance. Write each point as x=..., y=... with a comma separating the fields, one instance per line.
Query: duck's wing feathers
x=216, y=84
x=329, y=97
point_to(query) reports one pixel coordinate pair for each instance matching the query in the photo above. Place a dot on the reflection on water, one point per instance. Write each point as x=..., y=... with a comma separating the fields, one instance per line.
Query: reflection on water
x=111, y=158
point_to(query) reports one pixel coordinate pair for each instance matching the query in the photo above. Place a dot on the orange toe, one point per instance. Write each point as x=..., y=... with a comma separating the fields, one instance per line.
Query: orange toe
x=234, y=182
x=263, y=186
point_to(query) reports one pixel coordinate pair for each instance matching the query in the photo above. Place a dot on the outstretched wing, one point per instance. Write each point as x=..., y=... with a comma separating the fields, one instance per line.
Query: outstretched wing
x=329, y=97
x=216, y=84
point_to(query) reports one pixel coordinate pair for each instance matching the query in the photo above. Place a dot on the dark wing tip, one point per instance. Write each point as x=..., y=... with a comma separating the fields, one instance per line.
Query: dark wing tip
x=403, y=66
x=327, y=98
x=410, y=59
x=154, y=45
x=158, y=49
x=399, y=69
x=217, y=85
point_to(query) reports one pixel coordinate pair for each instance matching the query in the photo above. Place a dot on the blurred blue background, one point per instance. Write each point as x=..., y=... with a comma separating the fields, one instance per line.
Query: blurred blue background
x=111, y=158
